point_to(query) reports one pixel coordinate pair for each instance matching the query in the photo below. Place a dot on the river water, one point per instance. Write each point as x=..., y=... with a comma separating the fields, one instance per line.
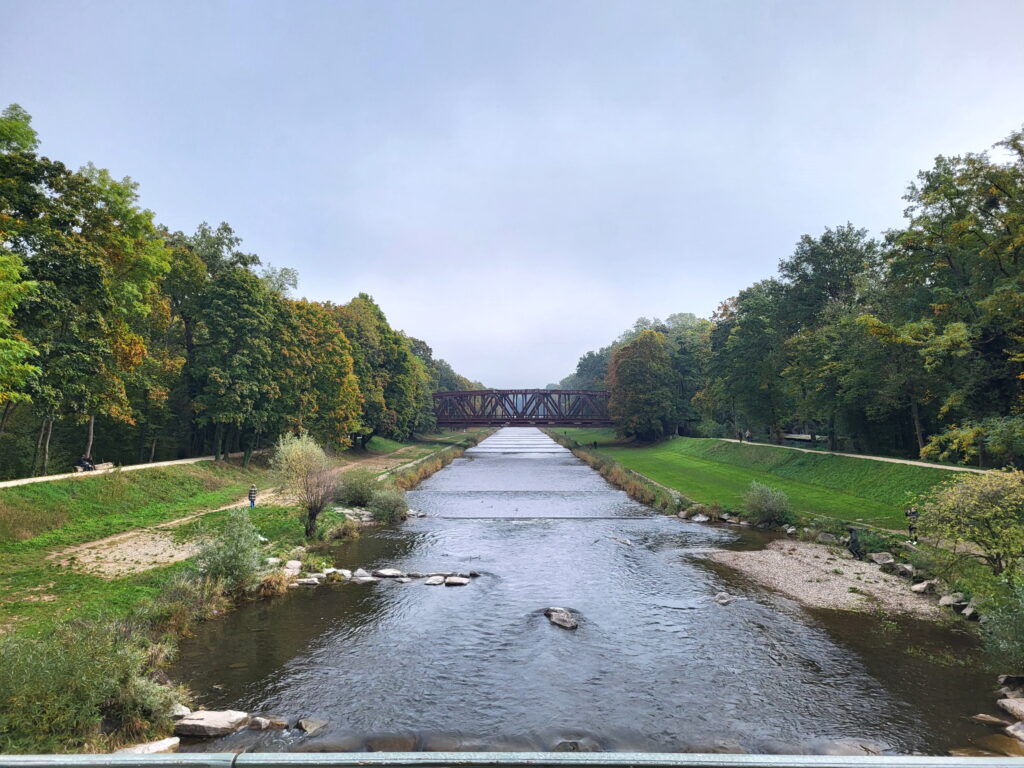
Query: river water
x=655, y=665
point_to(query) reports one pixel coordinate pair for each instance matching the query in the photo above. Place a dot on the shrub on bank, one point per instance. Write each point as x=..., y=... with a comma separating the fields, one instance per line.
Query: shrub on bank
x=82, y=685
x=357, y=487
x=234, y=558
x=763, y=504
x=388, y=505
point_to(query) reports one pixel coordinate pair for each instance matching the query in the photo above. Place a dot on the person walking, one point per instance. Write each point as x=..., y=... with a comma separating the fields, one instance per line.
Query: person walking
x=853, y=545
x=911, y=515
x=252, y=496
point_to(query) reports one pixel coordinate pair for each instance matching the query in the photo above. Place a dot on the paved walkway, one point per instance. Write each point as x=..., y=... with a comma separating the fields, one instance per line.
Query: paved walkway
x=94, y=473
x=860, y=456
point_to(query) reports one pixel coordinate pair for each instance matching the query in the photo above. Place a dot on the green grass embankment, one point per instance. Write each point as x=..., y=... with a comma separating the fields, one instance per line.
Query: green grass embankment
x=709, y=471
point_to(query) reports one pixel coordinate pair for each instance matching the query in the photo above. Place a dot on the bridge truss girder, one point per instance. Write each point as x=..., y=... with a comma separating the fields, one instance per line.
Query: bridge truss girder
x=522, y=407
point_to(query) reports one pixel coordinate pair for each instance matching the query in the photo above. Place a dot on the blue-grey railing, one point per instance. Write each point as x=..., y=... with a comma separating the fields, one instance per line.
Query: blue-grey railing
x=494, y=760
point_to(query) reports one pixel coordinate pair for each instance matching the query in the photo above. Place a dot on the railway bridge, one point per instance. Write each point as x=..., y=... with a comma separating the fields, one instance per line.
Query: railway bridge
x=522, y=407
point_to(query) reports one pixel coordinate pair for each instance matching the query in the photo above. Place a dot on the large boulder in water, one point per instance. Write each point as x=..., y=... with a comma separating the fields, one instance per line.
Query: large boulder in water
x=210, y=723
x=561, y=617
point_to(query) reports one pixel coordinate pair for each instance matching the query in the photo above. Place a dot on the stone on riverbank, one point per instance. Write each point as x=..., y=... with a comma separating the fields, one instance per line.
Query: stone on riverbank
x=364, y=579
x=561, y=617
x=827, y=538
x=1012, y=681
x=881, y=558
x=268, y=724
x=1016, y=730
x=152, y=747
x=360, y=573
x=388, y=573
x=293, y=565
x=273, y=561
x=984, y=719
x=1014, y=706
x=311, y=725
x=952, y=599
x=211, y=723
x=434, y=581
x=179, y=711
x=456, y=581
x=308, y=582
x=924, y=587
x=699, y=518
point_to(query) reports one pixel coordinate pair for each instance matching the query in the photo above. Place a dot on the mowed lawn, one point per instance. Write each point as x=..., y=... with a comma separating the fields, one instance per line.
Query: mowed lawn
x=709, y=471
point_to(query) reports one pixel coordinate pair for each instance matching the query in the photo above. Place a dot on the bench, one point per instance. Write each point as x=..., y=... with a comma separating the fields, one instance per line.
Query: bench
x=105, y=465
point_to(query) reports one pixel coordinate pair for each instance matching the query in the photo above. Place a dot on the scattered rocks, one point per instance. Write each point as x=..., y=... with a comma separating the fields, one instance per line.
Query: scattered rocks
x=881, y=558
x=456, y=581
x=293, y=565
x=308, y=582
x=403, y=580
x=561, y=617
x=268, y=724
x=179, y=711
x=344, y=573
x=434, y=581
x=388, y=573
x=970, y=612
x=924, y=587
x=311, y=725
x=827, y=538
x=790, y=530
x=699, y=518
x=211, y=723
x=683, y=514
x=364, y=579
x=414, y=575
x=319, y=575
x=984, y=719
x=952, y=599
x=359, y=573
x=724, y=598
x=1014, y=706
x=152, y=747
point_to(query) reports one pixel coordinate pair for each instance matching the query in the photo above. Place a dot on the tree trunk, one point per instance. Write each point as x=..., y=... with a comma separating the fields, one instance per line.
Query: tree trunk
x=248, y=451
x=833, y=439
x=152, y=450
x=918, y=432
x=89, y=439
x=8, y=410
x=46, y=448
x=311, y=524
x=39, y=445
x=218, y=439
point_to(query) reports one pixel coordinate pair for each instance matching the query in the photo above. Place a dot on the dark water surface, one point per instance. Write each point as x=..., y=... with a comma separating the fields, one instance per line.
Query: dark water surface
x=656, y=664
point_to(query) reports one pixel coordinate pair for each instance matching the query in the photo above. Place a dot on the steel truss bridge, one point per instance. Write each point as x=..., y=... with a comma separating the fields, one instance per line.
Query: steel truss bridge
x=522, y=407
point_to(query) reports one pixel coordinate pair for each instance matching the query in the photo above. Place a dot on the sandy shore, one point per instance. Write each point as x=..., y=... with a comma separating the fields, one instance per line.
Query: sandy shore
x=816, y=576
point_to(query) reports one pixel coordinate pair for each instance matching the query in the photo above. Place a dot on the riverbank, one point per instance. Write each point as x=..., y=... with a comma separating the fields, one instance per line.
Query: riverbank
x=818, y=576
x=710, y=471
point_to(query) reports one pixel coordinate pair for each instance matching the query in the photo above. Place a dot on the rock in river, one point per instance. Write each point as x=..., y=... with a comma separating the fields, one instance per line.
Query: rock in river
x=434, y=581
x=1014, y=706
x=364, y=579
x=311, y=725
x=359, y=573
x=388, y=573
x=700, y=519
x=152, y=747
x=561, y=617
x=211, y=723
x=456, y=581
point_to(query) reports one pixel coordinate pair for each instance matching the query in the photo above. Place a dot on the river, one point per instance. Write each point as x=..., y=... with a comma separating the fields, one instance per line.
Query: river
x=655, y=665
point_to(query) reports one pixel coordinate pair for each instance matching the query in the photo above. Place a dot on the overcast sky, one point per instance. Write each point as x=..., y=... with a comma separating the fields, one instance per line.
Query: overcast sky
x=516, y=182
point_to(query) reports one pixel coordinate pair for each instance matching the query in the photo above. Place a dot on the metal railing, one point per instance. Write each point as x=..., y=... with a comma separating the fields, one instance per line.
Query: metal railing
x=494, y=760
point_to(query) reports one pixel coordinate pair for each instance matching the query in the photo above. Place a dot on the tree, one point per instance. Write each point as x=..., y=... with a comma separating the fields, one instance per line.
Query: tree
x=642, y=385
x=15, y=351
x=985, y=510
x=307, y=475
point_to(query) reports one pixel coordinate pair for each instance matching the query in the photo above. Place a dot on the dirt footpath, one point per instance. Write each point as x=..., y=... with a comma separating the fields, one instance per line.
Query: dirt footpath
x=816, y=576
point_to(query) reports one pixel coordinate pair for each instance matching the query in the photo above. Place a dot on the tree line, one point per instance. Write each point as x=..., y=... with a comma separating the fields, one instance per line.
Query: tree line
x=123, y=340
x=911, y=344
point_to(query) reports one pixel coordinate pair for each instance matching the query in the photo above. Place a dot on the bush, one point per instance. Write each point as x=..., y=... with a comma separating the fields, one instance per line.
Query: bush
x=235, y=557
x=183, y=601
x=59, y=690
x=766, y=505
x=1004, y=627
x=388, y=505
x=307, y=475
x=349, y=529
x=357, y=488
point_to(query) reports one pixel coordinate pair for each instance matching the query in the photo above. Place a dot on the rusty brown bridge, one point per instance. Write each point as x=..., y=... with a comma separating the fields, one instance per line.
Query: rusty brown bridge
x=522, y=407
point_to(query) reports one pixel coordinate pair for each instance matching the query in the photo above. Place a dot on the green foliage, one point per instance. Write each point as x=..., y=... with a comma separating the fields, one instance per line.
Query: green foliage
x=763, y=504
x=357, y=487
x=235, y=557
x=307, y=475
x=642, y=384
x=1004, y=627
x=57, y=689
x=985, y=510
x=388, y=505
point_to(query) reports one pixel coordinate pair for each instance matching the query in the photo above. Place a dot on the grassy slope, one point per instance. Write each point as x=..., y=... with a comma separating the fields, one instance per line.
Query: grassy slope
x=708, y=470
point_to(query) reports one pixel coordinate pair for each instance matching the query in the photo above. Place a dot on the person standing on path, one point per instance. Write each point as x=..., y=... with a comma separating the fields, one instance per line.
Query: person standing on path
x=252, y=496
x=911, y=515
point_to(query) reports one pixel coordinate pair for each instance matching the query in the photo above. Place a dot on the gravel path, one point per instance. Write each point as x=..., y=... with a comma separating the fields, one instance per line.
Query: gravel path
x=817, y=576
